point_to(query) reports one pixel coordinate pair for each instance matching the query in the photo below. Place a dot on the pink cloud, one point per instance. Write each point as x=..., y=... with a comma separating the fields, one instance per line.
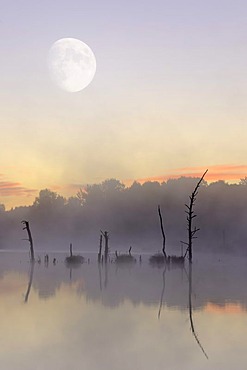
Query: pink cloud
x=8, y=189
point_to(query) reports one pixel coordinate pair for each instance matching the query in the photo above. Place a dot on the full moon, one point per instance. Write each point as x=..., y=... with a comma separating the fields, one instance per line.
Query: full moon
x=71, y=64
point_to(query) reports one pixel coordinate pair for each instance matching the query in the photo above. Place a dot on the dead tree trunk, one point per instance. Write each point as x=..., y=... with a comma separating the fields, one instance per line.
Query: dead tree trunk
x=106, y=237
x=190, y=216
x=100, y=248
x=70, y=249
x=163, y=232
x=30, y=239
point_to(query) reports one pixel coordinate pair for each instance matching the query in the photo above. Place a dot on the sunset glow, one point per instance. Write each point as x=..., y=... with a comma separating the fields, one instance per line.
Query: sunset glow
x=166, y=100
x=16, y=193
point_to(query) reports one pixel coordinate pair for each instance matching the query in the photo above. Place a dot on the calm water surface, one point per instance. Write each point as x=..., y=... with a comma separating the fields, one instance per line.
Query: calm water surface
x=129, y=317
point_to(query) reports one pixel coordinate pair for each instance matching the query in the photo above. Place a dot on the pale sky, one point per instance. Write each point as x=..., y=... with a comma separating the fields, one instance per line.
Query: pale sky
x=169, y=93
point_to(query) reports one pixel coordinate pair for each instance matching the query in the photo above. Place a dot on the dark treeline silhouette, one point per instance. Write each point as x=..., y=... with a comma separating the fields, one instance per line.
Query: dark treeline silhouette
x=130, y=215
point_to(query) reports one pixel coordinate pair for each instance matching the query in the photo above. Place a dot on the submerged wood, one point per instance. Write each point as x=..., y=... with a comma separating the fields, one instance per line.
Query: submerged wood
x=159, y=259
x=77, y=259
x=74, y=259
x=176, y=259
x=125, y=258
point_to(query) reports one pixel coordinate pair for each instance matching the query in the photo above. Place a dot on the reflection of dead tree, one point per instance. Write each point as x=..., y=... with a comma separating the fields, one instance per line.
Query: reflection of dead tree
x=106, y=276
x=100, y=276
x=190, y=216
x=29, y=282
x=162, y=293
x=102, y=268
x=191, y=313
x=30, y=239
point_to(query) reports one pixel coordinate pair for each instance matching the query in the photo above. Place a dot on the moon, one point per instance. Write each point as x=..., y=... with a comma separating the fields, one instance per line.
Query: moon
x=72, y=64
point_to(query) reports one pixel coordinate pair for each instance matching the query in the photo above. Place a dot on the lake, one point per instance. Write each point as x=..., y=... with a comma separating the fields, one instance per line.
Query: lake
x=124, y=317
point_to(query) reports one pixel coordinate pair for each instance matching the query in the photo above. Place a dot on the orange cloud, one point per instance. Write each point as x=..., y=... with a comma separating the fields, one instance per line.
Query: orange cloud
x=231, y=173
x=229, y=308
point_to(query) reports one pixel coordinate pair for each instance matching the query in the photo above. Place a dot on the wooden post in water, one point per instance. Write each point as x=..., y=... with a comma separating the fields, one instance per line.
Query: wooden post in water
x=30, y=239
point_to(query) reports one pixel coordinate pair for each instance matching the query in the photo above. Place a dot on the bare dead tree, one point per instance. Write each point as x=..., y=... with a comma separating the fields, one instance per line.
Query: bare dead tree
x=100, y=274
x=100, y=248
x=30, y=239
x=163, y=232
x=192, y=230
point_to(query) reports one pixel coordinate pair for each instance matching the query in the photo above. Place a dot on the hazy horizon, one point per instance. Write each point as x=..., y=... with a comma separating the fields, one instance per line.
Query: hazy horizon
x=130, y=215
x=13, y=192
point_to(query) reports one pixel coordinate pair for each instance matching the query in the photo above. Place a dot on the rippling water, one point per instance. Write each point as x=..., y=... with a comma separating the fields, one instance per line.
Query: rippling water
x=122, y=317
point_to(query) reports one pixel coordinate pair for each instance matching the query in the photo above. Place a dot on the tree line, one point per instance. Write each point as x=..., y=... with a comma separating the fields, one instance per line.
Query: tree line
x=130, y=216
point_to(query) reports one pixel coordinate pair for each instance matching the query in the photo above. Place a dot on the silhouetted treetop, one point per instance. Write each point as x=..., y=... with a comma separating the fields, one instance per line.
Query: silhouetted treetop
x=48, y=200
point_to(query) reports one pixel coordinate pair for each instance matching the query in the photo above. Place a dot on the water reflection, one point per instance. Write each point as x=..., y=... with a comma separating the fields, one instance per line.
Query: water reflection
x=216, y=283
x=30, y=281
x=163, y=291
x=105, y=317
x=192, y=326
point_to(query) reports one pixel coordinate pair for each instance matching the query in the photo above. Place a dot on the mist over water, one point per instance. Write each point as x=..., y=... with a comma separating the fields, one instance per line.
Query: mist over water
x=130, y=216
x=105, y=316
x=55, y=314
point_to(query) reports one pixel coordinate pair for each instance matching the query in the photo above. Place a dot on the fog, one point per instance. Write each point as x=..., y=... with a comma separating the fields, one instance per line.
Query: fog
x=139, y=283
x=110, y=315
x=130, y=216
